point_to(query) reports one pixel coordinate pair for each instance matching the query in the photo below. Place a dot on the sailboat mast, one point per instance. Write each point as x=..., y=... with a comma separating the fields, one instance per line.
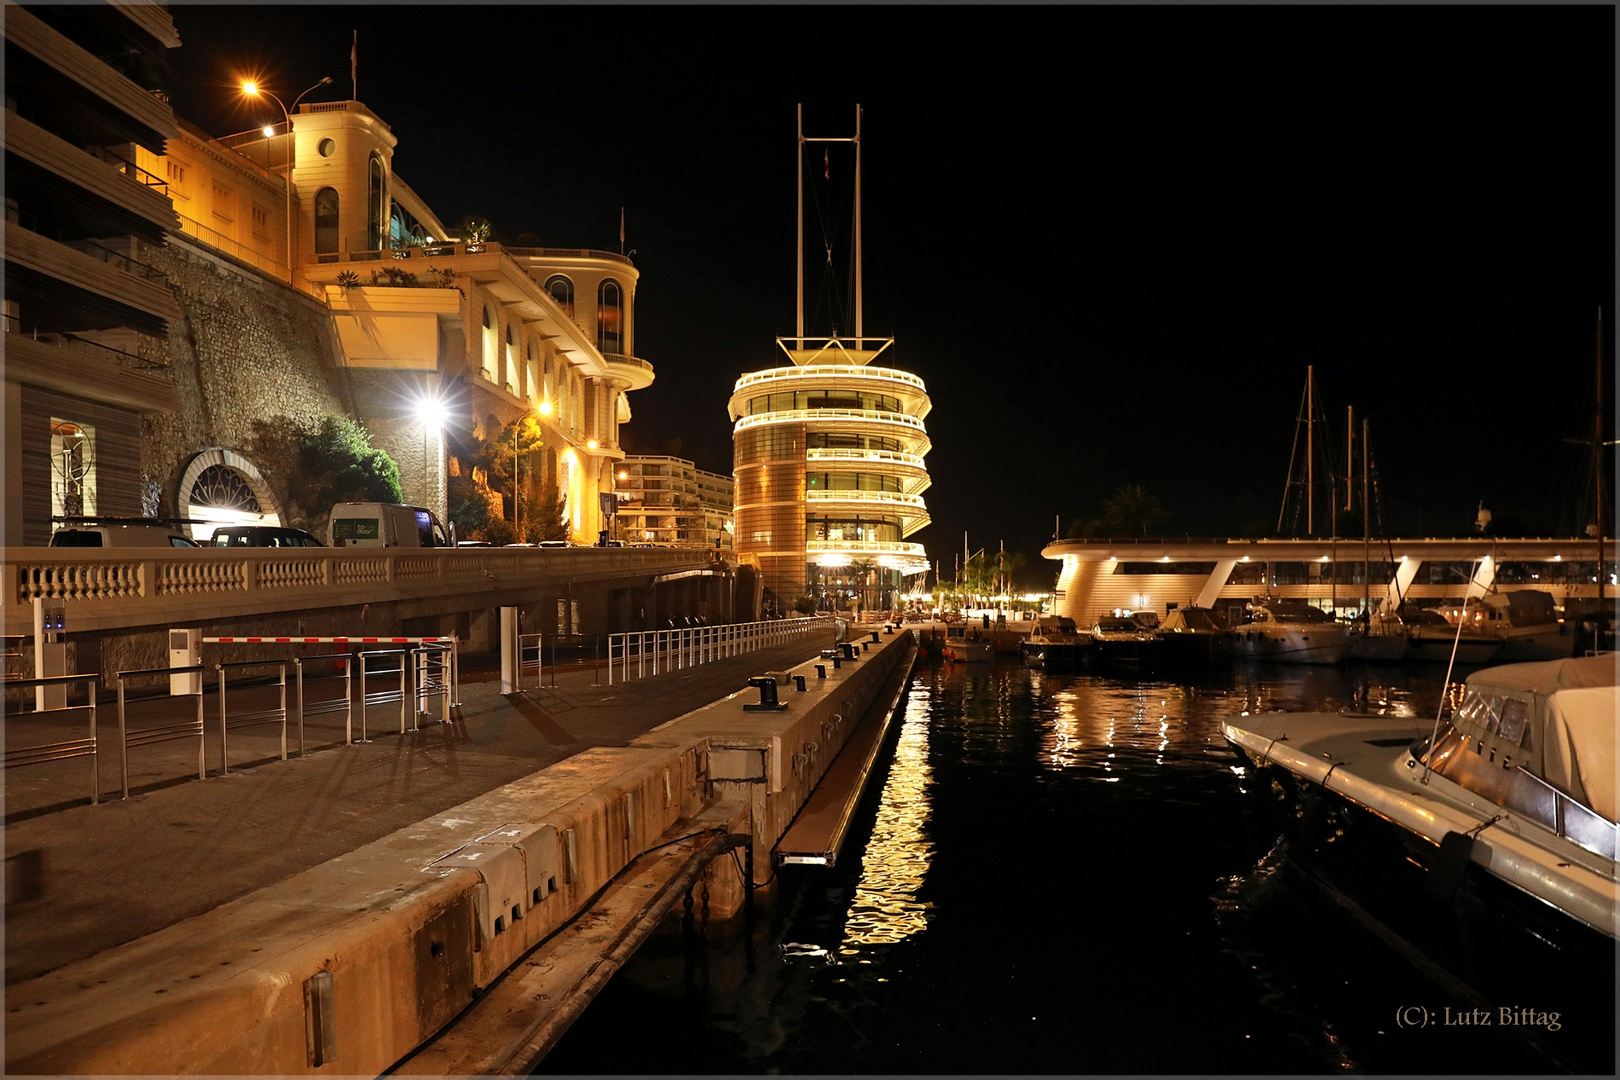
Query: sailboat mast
x=1310, y=445
x=1597, y=453
x=1349, y=456
x=1366, y=527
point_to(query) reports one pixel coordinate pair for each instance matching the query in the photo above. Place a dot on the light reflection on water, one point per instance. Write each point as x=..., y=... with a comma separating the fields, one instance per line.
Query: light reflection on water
x=1041, y=852
x=894, y=863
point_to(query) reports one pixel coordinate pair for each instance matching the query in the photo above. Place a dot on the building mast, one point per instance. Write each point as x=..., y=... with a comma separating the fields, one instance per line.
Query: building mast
x=799, y=326
x=860, y=328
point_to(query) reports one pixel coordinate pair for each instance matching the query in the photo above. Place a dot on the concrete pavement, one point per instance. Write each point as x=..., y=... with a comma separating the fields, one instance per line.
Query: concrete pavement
x=118, y=871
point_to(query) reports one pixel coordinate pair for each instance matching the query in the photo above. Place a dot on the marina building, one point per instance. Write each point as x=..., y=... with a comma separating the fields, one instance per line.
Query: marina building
x=1099, y=577
x=828, y=453
x=670, y=502
x=173, y=300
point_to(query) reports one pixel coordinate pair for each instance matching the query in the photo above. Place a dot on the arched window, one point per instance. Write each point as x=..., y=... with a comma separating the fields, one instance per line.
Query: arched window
x=608, y=297
x=490, y=344
x=562, y=291
x=377, y=206
x=326, y=221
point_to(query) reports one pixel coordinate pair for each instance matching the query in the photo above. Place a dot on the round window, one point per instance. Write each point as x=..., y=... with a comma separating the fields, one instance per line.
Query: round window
x=327, y=147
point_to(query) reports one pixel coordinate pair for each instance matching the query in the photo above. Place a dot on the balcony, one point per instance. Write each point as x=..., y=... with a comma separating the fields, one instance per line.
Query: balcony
x=634, y=372
x=385, y=327
x=866, y=457
x=822, y=372
x=843, y=417
x=135, y=201
x=900, y=555
x=71, y=364
x=141, y=291
x=880, y=499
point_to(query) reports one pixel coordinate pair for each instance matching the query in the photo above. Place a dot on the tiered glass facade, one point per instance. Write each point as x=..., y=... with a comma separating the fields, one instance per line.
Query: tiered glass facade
x=830, y=475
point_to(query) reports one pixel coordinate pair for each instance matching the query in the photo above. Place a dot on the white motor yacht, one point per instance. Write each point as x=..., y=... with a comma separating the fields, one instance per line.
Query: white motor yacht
x=1502, y=815
x=1289, y=632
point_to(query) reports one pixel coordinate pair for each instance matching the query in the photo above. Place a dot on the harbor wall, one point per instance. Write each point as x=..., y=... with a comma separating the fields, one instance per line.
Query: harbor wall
x=351, y=965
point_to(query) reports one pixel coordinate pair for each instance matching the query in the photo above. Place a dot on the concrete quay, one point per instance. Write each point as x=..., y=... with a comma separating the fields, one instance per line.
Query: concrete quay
x=329, y=914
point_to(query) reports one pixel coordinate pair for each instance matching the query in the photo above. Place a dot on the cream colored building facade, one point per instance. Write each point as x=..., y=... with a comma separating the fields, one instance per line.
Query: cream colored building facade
x=478, y=330
x=670, y=502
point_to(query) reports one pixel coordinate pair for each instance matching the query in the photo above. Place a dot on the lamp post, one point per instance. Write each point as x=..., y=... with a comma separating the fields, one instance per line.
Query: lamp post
x=253, y=89
x=431, y=409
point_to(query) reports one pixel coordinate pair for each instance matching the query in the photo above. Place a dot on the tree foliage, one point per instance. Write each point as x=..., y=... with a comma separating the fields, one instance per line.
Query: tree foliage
x=331, y=463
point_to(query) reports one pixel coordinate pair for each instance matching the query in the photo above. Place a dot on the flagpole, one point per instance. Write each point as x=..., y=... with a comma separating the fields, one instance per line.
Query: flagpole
x=354, y=68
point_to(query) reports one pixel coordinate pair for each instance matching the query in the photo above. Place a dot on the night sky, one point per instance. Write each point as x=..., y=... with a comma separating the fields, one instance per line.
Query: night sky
x=1110, y=239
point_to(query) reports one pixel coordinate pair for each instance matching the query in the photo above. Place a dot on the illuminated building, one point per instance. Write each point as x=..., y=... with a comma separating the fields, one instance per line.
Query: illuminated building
x=828, y=460
x=670, y=502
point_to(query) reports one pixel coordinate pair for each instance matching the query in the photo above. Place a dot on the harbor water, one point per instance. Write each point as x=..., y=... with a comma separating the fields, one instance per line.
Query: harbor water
x=1052, y=874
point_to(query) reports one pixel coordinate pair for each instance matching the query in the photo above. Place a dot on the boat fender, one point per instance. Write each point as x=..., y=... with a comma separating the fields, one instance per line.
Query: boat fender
x=1446, y=873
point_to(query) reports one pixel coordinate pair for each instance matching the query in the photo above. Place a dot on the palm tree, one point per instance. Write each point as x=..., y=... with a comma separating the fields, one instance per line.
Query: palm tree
x=1133, y=510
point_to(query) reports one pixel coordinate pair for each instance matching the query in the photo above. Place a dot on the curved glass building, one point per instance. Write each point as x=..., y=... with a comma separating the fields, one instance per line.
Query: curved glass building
x=828, y=456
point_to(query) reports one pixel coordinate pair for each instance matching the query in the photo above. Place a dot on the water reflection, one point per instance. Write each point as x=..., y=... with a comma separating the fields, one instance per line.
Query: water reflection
x=885, y=908
x=1108, y=819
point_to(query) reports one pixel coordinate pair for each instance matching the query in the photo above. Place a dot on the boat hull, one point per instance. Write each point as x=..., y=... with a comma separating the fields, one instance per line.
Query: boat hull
x=1376, y=648
x=1316, y=643
x=1434, y=647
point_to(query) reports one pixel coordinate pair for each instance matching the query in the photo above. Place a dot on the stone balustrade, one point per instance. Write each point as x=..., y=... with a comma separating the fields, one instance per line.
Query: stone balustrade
x=114, y=589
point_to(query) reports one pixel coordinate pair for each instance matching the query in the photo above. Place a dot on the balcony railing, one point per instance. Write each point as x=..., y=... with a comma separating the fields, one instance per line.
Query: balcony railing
x=866, y=547
x=129, y=169
x=819, y=372
x=219, y=241
x=65, y=340
x=887, y=457
x=877, y=498
x=799, y=416
x=51, y=231
x=568, y=253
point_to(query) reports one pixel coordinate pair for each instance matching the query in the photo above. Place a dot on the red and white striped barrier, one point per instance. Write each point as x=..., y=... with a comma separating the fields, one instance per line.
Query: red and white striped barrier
x=323, y=640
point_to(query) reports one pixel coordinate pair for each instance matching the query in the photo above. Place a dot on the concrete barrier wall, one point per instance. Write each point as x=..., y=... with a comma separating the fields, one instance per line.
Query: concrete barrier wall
x=349, y=966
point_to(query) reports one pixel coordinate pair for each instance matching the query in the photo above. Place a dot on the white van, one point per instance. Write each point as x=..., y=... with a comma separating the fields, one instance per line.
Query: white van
x=387, y=525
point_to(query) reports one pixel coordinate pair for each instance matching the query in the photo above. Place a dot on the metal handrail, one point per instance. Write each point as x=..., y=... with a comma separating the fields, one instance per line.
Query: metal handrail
x=148, y=736
x=431, y=656
x=864, y=495
x=384, y=697
x=263, y=716
x=70, y=748
x=870, y=416
x=811, y=372
x=329, y=704
x=684, y=647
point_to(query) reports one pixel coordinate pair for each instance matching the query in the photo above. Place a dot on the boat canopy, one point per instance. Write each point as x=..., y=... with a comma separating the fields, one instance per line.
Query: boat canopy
x=1189, y=618
x=1565, y=725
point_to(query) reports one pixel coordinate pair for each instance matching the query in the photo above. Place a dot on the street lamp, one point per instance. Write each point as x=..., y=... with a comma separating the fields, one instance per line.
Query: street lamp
x=253, y=89
x=430, y=408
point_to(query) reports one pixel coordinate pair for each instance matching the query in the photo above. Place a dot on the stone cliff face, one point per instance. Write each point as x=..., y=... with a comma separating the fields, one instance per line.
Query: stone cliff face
x=245, y=351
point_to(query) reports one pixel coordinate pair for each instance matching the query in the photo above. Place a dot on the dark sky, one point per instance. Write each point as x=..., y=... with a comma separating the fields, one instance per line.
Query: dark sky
x=1110, y=238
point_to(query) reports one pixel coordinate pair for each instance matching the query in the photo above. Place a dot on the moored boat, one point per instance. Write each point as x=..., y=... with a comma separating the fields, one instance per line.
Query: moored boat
x=1189, y=638
x=1054, y=640
x=1125, y=640
x=1377, y=638
x=967, y=645
x=1502, y=815
x=1289, y=632
x=1432, y=639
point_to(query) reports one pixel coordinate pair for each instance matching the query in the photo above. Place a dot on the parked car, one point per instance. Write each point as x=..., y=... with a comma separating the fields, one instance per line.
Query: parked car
x=126, y=534
x=387, y=525
x=262, y=536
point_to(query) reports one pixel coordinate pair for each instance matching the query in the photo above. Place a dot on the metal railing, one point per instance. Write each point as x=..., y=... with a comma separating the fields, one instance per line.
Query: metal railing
x=62, y=339
x=640, y=653
x=820, y=372
x=277, y=715
x=68, y=238
x=385, y=697
x=164, y=732
x=67, y=748
x=536, y=665
x=345, y=704
x=234, y=248
x=435, y=677
x=856, y=416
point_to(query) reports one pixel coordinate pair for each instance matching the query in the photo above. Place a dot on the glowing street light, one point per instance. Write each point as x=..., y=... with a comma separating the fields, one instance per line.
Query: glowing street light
x=430, y=409
x=253, y=89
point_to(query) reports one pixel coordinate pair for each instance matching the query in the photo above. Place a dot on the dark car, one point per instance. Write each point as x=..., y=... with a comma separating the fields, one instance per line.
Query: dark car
x=275, y=536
